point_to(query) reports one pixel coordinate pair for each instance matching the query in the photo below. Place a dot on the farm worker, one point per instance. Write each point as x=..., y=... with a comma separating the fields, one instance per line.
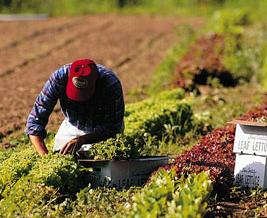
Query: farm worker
x=91, y=100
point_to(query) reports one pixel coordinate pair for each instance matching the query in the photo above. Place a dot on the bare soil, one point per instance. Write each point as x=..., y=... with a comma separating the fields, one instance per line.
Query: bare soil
x=241, y=203
x=133, y=46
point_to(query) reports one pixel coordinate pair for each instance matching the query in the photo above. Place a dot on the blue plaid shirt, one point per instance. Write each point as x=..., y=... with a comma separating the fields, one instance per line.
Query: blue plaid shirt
x=102, y=114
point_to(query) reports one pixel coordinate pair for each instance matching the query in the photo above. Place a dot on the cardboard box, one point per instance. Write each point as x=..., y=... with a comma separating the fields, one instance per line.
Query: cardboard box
x=250, y=146
x=250, y=171
x=123, y=173
x=250, y=138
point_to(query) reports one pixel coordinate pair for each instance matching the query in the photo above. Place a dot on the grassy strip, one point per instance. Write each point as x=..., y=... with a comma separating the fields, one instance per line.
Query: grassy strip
x=167, y=7
x=245, y=43
x=232, y=53
x=264, y=81
x=163, y=74
x=74, y=7
x=220, y=105
x=262, y=38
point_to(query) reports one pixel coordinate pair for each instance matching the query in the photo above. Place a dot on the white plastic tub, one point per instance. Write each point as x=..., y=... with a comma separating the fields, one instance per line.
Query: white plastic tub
x=123, y=173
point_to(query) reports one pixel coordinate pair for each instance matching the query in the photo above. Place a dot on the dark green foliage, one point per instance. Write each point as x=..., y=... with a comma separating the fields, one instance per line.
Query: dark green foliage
x=16, y=6
x=13, y=168
x=244, y=48
x=96, y=202
x=60, y=172
x=145, y=125
x=163, y=75
x=47, y=184
x=29, y=182
x=123, y=3
x=70, y=7
x=27, y=199
x=163, y=196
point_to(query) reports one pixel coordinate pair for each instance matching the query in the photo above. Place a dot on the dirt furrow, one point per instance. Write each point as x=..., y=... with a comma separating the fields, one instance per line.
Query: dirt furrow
x=15, y=31
x=136, y=52
x=43, y=45
x=26, y=34
x=143, y=40
x=153, y=58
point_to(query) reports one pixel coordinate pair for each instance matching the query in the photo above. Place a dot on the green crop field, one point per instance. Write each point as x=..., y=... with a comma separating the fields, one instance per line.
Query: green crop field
x=202, y=63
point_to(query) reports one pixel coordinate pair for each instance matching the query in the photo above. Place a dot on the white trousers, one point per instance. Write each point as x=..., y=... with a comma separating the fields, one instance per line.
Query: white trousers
x=65, y=133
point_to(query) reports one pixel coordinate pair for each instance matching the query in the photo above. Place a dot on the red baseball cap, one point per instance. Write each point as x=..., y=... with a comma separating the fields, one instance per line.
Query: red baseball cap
x=82, y=80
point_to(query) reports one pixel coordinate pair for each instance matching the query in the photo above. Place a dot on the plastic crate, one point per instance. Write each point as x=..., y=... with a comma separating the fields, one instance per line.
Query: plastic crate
x=123, y=173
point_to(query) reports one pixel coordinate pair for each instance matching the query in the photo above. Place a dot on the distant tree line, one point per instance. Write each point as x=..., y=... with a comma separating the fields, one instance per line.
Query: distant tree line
x=17, y=5
x=5, y=2
x=49, y=5
x=122, y=3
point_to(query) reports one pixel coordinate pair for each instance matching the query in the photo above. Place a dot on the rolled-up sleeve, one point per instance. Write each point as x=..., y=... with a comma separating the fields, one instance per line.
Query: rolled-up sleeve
x=45, y=103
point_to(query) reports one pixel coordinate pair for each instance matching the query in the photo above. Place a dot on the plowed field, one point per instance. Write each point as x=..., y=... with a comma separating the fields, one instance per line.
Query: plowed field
x=132, y=46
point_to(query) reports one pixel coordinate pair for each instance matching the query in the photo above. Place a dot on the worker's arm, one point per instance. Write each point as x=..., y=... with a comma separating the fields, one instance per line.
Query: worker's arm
x=43, y=107
x=38, y=143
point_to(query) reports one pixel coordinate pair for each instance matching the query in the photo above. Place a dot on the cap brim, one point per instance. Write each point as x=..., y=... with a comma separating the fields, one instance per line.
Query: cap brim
x=76, y=94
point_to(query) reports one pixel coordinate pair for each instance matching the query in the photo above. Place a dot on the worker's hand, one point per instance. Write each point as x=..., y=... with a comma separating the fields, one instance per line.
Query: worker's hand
x=39, y=144
x=72, y=146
